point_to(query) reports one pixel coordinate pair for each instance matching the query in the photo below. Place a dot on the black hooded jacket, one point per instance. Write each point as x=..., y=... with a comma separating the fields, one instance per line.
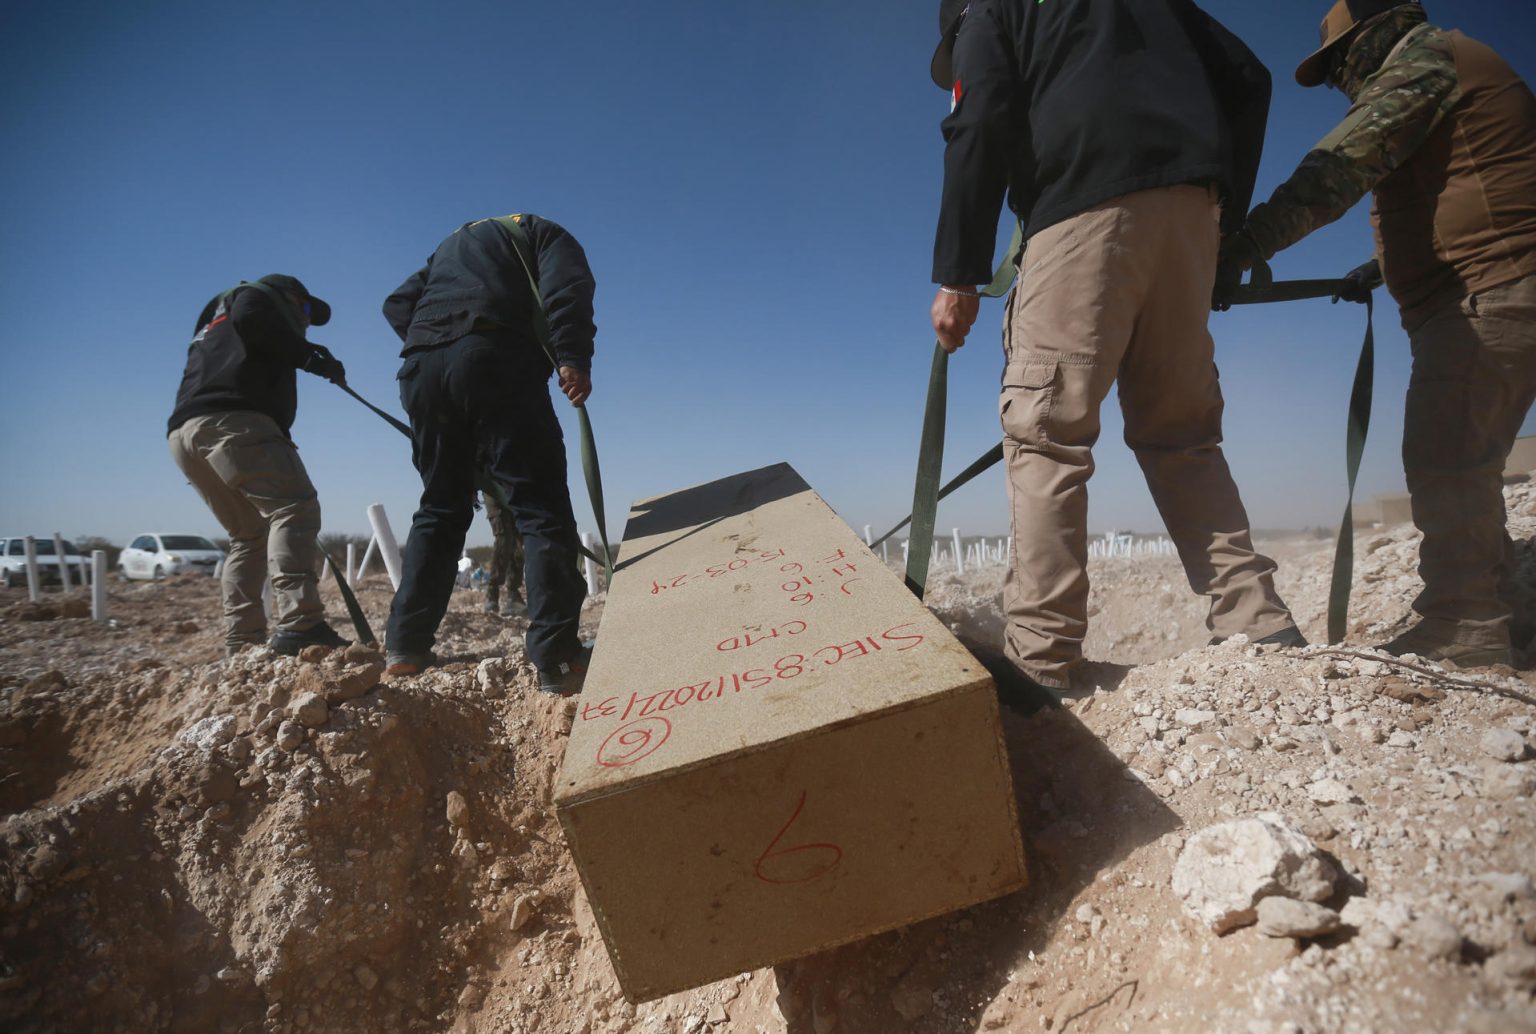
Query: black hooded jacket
x=475, y=281
x=1064, y=104
x=243, y=357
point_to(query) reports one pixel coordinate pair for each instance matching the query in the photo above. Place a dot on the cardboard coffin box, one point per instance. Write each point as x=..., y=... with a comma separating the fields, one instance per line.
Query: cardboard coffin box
x=778, y=749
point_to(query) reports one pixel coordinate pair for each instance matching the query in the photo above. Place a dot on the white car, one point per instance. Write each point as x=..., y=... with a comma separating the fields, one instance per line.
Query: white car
x=156, y=555
x=13, y=560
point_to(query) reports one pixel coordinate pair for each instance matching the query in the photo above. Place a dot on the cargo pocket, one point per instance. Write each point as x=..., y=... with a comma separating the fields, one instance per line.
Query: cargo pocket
x=273, y=471
x=1029, y=392
x=407, y=378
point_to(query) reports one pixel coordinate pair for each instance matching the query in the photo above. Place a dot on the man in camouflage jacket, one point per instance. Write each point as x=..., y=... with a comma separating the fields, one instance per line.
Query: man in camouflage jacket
x=1443, y=132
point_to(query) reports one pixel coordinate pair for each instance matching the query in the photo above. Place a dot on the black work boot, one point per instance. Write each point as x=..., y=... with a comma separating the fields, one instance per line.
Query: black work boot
x=1015, y=690
x=1290, y=636
x=567, y=679
x=400, y=664
x=289, y=642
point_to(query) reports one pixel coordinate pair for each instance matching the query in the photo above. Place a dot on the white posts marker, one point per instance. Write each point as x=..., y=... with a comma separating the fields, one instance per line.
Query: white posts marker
x=351, y=563
x=959, y=552
x=385, y=538
x=34, y=587
x=368, y=555
x=63, y=559
x=98, y=585
x=590, y=568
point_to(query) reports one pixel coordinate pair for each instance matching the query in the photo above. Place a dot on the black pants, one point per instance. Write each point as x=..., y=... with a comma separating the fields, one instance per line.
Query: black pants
x=482, y=394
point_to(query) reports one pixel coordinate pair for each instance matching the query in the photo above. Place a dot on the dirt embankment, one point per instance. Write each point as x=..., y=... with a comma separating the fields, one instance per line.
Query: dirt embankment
x=296, y=845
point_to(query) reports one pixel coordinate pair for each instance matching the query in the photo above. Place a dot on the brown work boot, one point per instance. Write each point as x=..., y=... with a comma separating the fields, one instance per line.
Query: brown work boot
x=1420, y=641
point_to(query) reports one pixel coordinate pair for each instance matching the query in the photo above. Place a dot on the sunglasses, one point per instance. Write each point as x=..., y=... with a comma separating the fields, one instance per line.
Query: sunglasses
x=1335, y=66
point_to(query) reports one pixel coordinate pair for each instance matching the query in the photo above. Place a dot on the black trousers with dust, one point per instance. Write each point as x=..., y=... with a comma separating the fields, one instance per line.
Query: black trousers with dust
x=490, y=397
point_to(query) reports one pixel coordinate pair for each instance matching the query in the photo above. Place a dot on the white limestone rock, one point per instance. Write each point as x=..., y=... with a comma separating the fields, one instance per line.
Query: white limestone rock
x=1287, y=917
x=1225, y=870
x=1503, y=744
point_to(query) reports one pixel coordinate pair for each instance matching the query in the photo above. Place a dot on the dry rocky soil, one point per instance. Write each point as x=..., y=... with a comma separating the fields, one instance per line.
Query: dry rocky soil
x=1220, y=838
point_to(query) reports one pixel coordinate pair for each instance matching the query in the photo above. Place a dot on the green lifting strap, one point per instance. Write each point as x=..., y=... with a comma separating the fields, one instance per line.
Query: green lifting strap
x=930, y=452
x=930, y=457
x=985, y=462
x=354, y=609
x=1359, y=425
x=1262, y=288
x=393, y=421
x=589, y=465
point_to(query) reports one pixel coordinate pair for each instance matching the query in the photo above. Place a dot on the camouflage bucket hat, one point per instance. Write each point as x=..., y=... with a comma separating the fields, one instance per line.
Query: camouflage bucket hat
x=1341, y=20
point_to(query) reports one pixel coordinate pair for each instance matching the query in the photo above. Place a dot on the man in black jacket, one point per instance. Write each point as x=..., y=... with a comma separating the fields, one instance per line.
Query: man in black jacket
x=474, y=382
x=229, y=434
x=1126, y=134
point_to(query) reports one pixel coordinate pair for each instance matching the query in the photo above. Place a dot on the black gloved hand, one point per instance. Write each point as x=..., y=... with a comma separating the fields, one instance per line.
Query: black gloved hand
x=1359, y=282
x=322, y=363
x=1238, y=255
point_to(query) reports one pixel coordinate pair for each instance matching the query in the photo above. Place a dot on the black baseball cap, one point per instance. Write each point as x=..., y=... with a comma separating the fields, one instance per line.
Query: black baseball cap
x=1342, y=19
x=942, y=68
x=319, y=311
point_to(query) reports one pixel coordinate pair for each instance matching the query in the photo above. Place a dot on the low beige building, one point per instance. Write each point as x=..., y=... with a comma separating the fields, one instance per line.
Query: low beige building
x=1522, y=460
x=1395, y=509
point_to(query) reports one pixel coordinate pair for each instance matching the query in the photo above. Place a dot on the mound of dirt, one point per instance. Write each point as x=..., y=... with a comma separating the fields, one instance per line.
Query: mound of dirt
x=276, y=844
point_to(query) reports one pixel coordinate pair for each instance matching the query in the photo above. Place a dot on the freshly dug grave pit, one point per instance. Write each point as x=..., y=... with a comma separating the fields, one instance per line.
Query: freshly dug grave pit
x=286, y=845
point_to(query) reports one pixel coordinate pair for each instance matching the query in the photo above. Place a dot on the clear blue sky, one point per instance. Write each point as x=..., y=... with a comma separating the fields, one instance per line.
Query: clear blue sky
x=755, y=186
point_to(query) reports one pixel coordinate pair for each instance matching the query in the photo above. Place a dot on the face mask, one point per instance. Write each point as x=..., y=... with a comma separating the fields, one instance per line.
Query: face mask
x=1372, y=43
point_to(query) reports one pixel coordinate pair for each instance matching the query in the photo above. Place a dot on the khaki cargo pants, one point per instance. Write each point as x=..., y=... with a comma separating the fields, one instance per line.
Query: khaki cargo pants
x=250, y=475
x=1121, y=291
x=1473, y=381
x=506, y=555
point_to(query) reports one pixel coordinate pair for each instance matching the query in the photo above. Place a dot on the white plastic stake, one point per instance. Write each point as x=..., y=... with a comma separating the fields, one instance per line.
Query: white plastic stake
x=959, y=553
x=868, y=538
x=59, y=555
x=884, y=558
x=34, y=590
x=385, y=538
x=351, y=563
x=368, y=555
x=591, y=568
x=98, y=585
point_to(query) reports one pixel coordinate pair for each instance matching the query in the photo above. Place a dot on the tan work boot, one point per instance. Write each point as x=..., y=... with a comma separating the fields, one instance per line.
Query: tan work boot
x=1434, y=648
